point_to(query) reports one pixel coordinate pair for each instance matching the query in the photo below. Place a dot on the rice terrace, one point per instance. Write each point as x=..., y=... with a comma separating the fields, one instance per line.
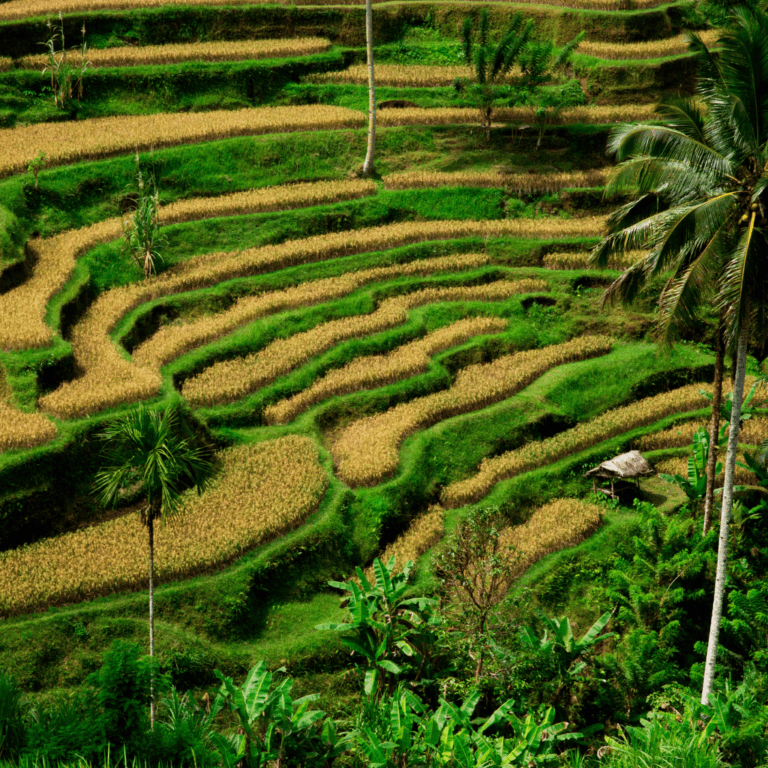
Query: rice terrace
x=383, y=383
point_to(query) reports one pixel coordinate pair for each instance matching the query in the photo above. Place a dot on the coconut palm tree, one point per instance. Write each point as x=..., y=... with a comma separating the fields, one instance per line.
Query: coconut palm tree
x=144, y=448
x=701, y=213
x=677, y=311
x=368, y=169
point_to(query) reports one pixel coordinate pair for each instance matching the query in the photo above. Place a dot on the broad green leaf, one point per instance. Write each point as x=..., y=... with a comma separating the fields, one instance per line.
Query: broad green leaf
x=371, y=681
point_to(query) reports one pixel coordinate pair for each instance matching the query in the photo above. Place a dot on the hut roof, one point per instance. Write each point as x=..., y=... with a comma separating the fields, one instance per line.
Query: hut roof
x=625, y=465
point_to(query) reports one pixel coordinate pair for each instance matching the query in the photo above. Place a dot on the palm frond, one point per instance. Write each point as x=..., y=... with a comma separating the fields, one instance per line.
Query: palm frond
x=481, y=65
x=661, y=142
x=744, y=67
x=466, y=38
x=682, y=298
x=692, y=227
x=675, y=182
x=507, y=51
x=485, y=28
x=626, y=288
x=151, y=453
x=634, y=212
x=562, y=58
x=684, y=115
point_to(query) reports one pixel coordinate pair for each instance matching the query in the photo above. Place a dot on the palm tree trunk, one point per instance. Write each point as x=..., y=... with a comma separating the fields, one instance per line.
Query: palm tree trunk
x=368, y=169
x=725, y=517
x=714, y=427
x=151, y=527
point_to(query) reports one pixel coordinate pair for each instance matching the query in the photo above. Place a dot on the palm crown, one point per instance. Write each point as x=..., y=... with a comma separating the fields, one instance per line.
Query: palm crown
x=145, y=447
x=701, y=181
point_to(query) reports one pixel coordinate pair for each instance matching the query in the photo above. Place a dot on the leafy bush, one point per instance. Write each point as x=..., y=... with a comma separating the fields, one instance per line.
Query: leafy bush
x=123, y=693
x=67, y=730
x=12, y=732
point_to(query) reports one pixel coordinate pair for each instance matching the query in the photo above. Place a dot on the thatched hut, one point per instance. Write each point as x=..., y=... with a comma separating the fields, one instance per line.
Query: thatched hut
x=626, y=466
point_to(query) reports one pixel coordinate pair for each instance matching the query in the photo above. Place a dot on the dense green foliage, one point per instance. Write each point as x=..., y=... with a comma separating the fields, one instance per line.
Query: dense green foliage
x=593, y=657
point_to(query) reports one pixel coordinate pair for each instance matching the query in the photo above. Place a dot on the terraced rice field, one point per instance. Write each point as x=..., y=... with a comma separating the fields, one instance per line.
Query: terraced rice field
x=392, y=342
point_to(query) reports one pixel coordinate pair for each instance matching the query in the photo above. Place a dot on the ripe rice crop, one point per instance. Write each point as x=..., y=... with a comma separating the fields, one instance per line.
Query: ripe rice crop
x=580, y=260
x=21, y=9
x=674, y=437
x=752, y=432
x=559, y=524
x=366, y=451
x=110, y=378
x=533, y=455
x=104, y=136
x=267, y=199
x=170, y=342
x=260, y=492
x=520, y=183
x=678, y=465
x=93, y=347
x=22, y=310
x=223, y=50
x=6, y=64
x=572, y=115
x=231, y=380
x=378, y=370
x=649, y=49
x=23, y=430
x=422, y=534
x=396, y=75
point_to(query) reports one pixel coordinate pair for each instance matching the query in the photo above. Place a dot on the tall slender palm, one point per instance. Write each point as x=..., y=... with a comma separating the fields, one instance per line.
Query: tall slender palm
x=144, y=447
x=368, y=169
x=701, y=212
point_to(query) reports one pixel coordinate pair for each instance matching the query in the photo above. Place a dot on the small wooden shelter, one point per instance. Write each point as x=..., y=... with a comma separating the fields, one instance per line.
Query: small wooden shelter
x=626, y=466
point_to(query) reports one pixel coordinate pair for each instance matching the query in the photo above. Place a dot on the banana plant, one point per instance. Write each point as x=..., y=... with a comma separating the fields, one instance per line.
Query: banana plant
x=384, y=626
x=449, y=738
x=559, y=641
x=755, y=462
x=267, y=717
x=727, y=402
x=695, y=485
x=560, y=652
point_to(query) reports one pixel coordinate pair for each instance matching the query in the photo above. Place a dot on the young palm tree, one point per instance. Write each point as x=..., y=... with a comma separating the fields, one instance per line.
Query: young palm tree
x=144, y=448
x=701, y=212
x=368, y=169
x=491, y=62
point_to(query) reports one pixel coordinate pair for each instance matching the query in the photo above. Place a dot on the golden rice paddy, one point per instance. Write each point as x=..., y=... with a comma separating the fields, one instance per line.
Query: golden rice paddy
x=105, y=136
x=378, y=370
x=520, y=183
x=223, y=50
x=231, y=380
x=559, y=524
x=649, y=49
x=366, y=451
x=422, y=534
x=23, y=309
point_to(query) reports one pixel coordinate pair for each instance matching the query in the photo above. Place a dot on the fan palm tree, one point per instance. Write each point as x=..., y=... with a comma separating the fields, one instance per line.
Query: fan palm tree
x=144, y=447
x=701, y=213
x=368, y=169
